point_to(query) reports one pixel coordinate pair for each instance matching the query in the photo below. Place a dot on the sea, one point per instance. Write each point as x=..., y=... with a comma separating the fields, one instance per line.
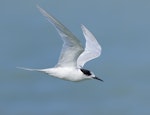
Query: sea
x=27, y=39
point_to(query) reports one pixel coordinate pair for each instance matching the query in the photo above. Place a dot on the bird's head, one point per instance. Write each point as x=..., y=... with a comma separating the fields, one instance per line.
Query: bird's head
x=90, y=74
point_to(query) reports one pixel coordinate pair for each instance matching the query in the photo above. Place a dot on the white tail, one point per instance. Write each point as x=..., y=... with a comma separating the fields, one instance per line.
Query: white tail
x=29, y=69
x=47, y=71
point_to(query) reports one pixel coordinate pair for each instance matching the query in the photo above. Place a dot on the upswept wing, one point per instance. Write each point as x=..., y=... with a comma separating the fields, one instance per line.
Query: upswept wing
x=92, y=48
x=71, y=48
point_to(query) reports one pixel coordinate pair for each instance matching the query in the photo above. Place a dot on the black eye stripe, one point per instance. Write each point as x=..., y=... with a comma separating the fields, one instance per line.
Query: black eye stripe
x=86, y=72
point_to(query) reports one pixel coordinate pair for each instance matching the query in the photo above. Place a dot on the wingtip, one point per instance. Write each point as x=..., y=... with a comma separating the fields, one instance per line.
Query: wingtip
x=38, y=6
x=49, y=17
x=84, y=29
x=82, y=26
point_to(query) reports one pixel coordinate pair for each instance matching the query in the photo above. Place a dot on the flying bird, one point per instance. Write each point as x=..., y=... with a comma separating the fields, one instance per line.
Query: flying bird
x=73, y=56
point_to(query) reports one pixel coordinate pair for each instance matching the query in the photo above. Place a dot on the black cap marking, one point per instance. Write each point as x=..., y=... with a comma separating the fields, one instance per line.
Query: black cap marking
x=86, y=72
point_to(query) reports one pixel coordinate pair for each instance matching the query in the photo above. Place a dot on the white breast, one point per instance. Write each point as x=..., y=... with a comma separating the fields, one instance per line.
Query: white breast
x=71, y=74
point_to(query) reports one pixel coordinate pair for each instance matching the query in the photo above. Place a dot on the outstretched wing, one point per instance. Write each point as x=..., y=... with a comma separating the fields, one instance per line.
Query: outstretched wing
x=92, y=48
x=71, y=48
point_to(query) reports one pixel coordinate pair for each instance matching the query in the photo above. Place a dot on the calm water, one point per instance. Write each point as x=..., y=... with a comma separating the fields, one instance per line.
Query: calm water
x=27, y=39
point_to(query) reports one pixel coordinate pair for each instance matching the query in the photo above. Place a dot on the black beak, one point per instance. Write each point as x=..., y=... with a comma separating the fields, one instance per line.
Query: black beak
x=97, y=78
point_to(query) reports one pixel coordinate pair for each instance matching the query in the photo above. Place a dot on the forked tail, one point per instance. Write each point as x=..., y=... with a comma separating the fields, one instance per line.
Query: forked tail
x=28, y=69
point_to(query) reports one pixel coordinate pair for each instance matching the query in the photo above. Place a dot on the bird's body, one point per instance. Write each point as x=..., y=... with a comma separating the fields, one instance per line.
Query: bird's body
x=65, y=73
x=73, y=56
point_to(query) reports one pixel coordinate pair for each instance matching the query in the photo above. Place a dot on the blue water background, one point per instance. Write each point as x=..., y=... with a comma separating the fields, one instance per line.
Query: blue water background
x=27, y=39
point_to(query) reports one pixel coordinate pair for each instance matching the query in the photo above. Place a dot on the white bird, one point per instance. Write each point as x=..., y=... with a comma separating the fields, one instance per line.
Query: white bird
x=73, y=56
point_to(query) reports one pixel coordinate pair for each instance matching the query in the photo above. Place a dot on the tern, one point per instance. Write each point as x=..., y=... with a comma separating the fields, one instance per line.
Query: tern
x=73, y=56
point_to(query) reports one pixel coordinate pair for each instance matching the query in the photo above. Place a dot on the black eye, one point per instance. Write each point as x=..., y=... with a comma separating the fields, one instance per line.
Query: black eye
x=86, y=72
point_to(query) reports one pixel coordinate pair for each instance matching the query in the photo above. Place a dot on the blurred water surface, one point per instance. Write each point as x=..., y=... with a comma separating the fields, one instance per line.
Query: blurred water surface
x=27, y=39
